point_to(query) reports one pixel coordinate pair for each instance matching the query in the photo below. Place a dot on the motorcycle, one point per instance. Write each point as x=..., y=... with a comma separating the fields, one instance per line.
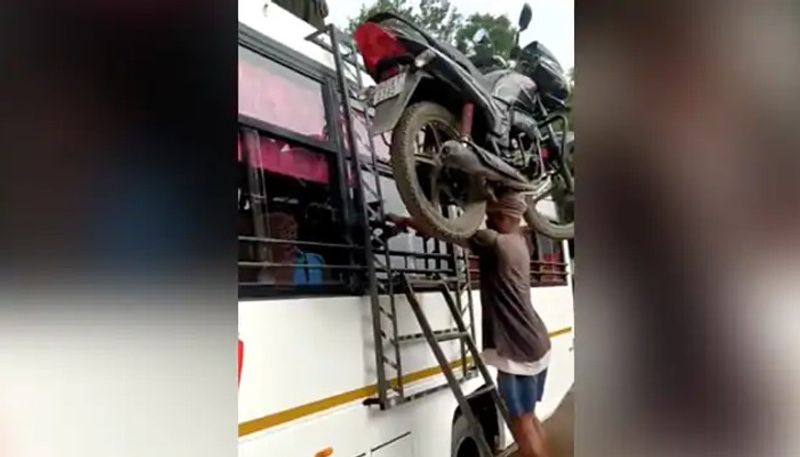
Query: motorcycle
x=461, y=138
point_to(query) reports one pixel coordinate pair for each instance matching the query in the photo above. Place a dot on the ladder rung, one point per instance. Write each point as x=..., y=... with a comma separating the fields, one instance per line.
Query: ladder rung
x=428, y=282
x=389, y=362
x=386, y=313
x=426, y=392
x=481, y=391
x=452, y=336
x=398, y=400
x=396, y=388
x=439, y=388
x=366, y=166
x=373, y=214
x=372, y=192
x=421, y=336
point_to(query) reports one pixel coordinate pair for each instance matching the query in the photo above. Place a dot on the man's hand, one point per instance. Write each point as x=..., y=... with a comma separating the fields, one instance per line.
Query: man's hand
x=404, y=223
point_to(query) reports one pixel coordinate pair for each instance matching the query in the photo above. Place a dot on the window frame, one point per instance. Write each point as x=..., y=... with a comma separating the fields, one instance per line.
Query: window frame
x=333, y=148
x=561, y=269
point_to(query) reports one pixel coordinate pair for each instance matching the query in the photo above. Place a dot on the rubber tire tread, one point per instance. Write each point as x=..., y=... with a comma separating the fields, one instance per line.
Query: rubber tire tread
x=405, y=175
x=543, y=225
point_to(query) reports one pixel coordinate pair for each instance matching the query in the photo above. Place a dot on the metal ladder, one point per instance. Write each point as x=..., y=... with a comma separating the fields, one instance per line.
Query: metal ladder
x=369, y=196
x=383, y=278
x=462, y=333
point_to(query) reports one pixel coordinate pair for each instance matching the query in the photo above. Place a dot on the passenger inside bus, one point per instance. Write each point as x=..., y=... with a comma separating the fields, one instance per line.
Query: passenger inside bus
x=283, y=226
x=300, y=266
x=292, y=202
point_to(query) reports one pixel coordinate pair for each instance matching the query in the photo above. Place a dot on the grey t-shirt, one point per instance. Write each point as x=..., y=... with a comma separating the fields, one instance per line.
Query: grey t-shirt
x=510, y=324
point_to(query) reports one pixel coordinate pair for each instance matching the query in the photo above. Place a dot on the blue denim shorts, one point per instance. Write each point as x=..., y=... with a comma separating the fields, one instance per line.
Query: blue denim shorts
x=521, y=393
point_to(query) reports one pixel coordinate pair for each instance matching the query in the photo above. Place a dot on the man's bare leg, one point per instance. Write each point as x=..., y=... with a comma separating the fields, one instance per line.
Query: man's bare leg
x=539, y=428
x=529, y=435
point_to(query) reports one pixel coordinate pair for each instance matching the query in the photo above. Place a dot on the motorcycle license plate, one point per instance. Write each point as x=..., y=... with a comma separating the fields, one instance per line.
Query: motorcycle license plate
x=389, y=89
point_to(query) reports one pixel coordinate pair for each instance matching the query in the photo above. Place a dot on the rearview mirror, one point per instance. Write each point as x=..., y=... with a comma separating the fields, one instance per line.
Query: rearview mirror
x=525, y=17
x=480, y=36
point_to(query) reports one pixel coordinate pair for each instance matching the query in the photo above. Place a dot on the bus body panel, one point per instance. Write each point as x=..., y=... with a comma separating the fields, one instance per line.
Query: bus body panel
x=305, y=351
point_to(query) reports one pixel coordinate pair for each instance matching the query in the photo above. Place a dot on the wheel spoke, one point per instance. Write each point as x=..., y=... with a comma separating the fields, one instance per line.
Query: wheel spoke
x=435, y=190
x=422, y=155
x=436, y=140
x=447, y=191
x=420, y=142
x=425, y=158
x=543, y=190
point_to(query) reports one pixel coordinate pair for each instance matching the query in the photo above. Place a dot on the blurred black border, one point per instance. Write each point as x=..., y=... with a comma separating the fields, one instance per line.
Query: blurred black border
x=119, y=120
x=118, y=124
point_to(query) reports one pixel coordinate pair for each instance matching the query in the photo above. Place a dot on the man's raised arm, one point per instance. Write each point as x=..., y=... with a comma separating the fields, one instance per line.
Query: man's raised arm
x=403, y=222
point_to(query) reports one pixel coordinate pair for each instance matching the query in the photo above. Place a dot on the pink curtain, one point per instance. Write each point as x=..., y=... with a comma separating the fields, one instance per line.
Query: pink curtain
x=280, y=157
x=275, y=94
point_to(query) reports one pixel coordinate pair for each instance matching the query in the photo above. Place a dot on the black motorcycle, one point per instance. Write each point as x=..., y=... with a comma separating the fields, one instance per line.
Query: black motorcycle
x=460, y=137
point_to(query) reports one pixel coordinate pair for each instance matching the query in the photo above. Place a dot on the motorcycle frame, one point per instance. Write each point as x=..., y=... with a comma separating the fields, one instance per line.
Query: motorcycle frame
x=467, y=115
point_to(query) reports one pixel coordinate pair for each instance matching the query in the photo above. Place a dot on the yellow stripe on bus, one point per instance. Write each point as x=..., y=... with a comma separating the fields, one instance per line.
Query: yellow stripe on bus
x=273, y=420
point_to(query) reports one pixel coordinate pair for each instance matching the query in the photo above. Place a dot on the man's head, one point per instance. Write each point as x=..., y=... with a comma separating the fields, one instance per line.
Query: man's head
x=505, y=214
x=284, y=227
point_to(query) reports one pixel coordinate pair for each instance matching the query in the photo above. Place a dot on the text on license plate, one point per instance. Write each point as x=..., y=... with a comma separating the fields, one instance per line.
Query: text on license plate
x=389, y=88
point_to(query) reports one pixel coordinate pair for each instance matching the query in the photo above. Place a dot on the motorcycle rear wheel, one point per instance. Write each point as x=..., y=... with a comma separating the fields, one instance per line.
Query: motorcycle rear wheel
x=409, y=172
x=548, y=228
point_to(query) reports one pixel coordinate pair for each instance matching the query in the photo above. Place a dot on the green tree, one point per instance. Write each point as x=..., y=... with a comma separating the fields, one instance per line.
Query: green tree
x=399, y=7
x=438, y=17
x=500, y=29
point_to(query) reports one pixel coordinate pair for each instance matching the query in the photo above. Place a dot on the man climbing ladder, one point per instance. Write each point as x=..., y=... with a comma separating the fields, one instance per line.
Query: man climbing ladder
x=515, y=340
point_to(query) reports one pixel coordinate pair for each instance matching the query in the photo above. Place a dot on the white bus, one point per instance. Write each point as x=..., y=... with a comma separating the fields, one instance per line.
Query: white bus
x=307, y=342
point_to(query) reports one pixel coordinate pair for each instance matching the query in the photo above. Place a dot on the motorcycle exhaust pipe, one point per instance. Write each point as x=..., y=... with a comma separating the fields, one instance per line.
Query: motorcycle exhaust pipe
x=460, y=156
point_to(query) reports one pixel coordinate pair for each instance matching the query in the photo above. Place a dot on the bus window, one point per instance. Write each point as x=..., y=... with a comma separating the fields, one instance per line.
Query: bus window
x=549, y=262
x=289, y=236
x=272, y=93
